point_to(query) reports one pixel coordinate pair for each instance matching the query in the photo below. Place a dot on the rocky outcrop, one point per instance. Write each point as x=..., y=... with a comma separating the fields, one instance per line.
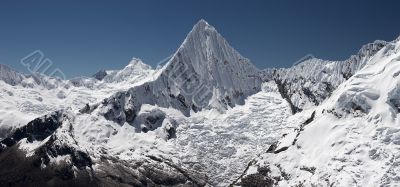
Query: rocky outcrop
x=36, y=130
x=100, y=75
x=59, y=160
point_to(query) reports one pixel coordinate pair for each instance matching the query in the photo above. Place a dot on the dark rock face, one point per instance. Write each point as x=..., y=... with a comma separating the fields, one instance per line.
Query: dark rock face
x=310, y=95
x=85, y=109
x=130, y=114
x=262, y=176
x=19, y=170
x=100, y=75
x=4, y=132
x=151, y=120
x=37, y=170
x=38, y=129
x=171, y=132
x=52, y=149
x=285, y=94
x=395, y=103
x=152, y=171
x=394, y=98
x=294, y=83
x=259, y=179
x=76, y=167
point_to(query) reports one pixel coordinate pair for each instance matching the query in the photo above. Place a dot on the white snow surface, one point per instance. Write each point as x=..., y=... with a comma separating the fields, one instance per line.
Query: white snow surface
x=221, y=145
x=23, y=101
x=354, y=138
x=311, y=81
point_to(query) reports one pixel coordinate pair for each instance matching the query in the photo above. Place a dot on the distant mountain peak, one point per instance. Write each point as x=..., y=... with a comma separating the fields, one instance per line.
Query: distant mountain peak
x=206, y=46
x=206, y=59
x=135, y=61
x=4, y=67
x=10, y=76
x=202, y=21
x=138, y=63
x=200, y=32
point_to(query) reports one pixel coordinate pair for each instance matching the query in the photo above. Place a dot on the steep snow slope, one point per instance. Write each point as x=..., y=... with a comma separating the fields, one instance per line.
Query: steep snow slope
x=310, y=82
x=353, y=139
x=207, y=58
x=10, y=76
x=208, y=72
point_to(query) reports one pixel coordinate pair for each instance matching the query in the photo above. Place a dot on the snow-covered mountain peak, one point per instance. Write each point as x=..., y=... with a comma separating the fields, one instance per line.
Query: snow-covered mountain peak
x=133, y=71
x=369, y=49
x=207, y=58
x=206, y=44
x=5, y=67
x=204, y=73
x=138, y=63
x=397, y=39
x=306, y=60
x=202, y=25
x=309, y=61
x=9, y=75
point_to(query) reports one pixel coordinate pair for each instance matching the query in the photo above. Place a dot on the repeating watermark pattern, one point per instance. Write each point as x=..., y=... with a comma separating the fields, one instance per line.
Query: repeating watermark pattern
x=40, y=66
x=303, y=59
x=164, y=61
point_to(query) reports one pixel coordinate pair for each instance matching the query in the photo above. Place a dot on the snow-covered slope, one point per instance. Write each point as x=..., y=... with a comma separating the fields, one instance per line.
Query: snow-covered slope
x=204, y=73
x=207, y=118
x=221, y=145
x=205, y=59
x=134, y=126
x=310, y=82
x=10, y=76
x=26, y=97
x=352, y=139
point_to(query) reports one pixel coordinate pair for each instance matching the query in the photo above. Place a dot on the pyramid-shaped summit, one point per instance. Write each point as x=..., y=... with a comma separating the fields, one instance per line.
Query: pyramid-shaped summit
x=204, y=73
x=204, y=44
x=207, y=60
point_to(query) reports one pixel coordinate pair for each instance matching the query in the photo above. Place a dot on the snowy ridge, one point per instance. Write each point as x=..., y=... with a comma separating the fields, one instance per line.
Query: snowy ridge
x=134, y=70
x=351, y=141
x=10, y=76
x=206, y=57
x=310, y=82
x=26, y=97
x=126, y=77
x=14, y=78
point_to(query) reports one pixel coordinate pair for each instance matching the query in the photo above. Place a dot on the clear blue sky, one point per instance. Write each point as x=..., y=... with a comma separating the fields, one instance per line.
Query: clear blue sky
x=81, y=37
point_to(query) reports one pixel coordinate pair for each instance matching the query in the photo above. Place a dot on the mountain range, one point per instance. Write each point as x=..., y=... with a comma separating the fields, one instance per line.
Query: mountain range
x=208, y=117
